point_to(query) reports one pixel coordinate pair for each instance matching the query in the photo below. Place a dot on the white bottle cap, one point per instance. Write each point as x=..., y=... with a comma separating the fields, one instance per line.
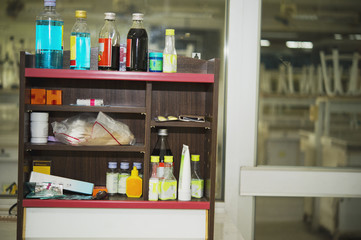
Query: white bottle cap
x=49, y=3
x=109, y=16
x=138, y=16
x=39, y=116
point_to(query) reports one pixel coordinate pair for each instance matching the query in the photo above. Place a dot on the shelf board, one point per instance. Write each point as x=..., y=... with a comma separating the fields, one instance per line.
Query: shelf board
x=137, y=204
x=14, y=196
x=181, y=124
x=73, y=108
x=116, y=75
x=51, y=146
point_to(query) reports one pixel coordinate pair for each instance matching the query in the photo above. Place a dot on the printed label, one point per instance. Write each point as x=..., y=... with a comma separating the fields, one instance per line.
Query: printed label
x=197, y=188
x=155, y=65
x=122, y=183
x=105, y=52
x=169, y=63
x=129, y=51
x=168, y=190
x=72, y=50
x=112, y=182
x=153, y=189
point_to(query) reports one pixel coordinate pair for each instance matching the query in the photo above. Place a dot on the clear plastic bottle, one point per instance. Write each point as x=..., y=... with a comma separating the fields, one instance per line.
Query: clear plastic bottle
x=161, y=149
x=112, y=178
x=109, y=44
x=80, y=43
x=169, y=53
x=49, y=37
x=124, y=173
x=153, y=193
x=168, y=184
x=137, y=45
x=138, y=165
x=197, y=181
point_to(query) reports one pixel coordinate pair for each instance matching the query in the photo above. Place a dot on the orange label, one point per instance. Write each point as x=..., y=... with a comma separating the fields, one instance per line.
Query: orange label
x=105, y=52
x=129, y=51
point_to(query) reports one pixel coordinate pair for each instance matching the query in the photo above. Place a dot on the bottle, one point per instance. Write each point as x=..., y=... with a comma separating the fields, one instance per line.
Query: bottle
x=138, y=165
x=137, y=45
x=109, y=44
x=49, y=37
x=161, y=149
x=153, y=180
x=80, y=43
x=197, y=181
x=169, y=53
x=185, y=179
x=112, y=178
x=123, y=175
x=134, y=184
x=168, y=184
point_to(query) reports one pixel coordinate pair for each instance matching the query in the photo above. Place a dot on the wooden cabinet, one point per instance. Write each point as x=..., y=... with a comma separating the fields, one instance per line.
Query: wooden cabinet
x=134, y=98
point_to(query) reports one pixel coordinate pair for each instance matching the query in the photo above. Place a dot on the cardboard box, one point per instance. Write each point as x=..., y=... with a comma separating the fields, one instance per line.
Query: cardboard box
x=38, y=96
x=42, y=166
x=54, y=97
x=68, y=184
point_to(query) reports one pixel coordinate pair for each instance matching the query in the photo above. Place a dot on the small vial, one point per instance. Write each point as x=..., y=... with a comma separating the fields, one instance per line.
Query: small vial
x=122, y=179
x=112, y=178
x=138, y=165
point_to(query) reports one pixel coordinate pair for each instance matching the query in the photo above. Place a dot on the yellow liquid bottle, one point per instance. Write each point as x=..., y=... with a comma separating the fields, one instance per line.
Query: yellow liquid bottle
x=134, y=184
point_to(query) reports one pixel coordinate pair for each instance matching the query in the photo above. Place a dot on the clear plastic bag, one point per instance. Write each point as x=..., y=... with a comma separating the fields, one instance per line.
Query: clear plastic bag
x=86, y=129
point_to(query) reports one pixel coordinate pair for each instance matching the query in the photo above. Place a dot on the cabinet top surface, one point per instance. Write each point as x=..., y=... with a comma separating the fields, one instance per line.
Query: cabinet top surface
x=115, y=75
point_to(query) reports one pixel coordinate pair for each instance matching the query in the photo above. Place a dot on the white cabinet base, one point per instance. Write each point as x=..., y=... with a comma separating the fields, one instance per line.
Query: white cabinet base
x=89, y=223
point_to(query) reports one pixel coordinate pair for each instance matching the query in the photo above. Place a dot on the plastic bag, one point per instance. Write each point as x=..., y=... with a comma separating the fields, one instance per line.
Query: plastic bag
x=85, y=129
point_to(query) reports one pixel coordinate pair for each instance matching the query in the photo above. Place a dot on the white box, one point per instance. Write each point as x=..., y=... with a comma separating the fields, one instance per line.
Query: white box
x=68, y=184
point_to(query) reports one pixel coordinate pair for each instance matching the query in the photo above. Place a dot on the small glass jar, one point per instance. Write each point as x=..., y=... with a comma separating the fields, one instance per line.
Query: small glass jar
x=155, y=62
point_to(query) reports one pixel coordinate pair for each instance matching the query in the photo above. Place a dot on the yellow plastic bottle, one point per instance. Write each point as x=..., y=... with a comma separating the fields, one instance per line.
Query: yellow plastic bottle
x=134, y=184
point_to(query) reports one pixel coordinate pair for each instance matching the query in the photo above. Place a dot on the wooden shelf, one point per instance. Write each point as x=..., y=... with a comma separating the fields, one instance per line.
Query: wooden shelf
x=181, y=124
x=50, y=146
x=71, y=108
x=140, y=204
x=115, y=75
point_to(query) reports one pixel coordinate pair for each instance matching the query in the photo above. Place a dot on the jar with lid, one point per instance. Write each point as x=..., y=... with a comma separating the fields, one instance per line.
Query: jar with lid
x=112, y=178
x=124, y=173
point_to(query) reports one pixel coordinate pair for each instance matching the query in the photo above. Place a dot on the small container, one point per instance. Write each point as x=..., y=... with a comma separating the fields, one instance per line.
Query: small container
x=112, y=178
x=155, y=62
x=134, y=184
x=123, y=175
x=138, y=165
x=39, y=127
x=153, y=180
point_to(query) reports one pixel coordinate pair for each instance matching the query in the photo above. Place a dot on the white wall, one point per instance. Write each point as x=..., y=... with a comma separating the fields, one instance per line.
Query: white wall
x=241, y=115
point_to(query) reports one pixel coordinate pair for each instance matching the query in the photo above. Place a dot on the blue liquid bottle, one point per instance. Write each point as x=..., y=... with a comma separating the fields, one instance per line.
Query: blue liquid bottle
x=49, y=37
x=80, y=43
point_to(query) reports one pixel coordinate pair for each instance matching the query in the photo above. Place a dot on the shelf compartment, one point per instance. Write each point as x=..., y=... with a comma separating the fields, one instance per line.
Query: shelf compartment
x=115, y=75
x=206, y=125
x=138, y=204
x=63, y=147
x=70, y=108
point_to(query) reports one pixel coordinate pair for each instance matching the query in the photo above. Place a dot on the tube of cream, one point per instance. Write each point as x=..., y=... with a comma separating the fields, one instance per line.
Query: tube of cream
x=184, y=186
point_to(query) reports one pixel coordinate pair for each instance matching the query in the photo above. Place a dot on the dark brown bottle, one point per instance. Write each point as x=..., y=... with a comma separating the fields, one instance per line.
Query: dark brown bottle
x=137, y=45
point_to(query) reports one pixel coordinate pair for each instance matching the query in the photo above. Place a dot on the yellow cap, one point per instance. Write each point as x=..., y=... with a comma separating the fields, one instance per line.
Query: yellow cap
x=168, y=159
x=195, y=158
x=80, y=14
x=134, y=171
x=154, y=158
x=169, y=32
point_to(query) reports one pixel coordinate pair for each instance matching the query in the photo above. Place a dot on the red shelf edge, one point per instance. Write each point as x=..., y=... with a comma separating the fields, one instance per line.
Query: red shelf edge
x=115, y=75
x=115, y=204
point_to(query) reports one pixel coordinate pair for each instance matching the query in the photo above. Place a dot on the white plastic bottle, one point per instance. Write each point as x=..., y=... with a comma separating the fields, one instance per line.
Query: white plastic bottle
x=169, y=53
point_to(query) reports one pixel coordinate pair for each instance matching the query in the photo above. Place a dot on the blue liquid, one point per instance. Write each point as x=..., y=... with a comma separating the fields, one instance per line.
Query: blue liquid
x=82, y=51
x=49, y=44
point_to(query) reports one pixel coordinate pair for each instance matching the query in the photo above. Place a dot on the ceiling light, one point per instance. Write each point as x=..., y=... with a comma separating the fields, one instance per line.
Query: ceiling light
x=297, y=44
x=265, y=43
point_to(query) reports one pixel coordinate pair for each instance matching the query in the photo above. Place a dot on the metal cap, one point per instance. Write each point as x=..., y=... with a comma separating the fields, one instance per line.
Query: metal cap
x=124, y=165
x=169, y=32
x=195, y=158
x=163, y=132
x=154, y=159
x=112, y=165
x=109, y=16
x=80, y=14
x=138, y=16
x=168, y=159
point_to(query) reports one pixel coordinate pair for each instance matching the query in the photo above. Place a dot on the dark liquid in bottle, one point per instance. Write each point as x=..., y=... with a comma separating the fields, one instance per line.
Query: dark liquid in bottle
x=115, y=59
x=138, y=55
